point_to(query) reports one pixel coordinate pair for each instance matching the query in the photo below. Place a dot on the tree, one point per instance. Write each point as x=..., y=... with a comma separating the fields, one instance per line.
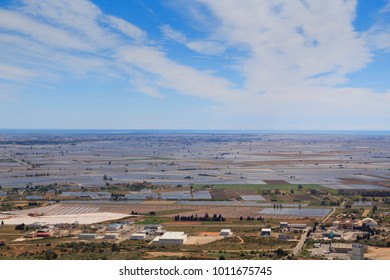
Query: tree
x=115, y=247
x=300, y=187
x=105, y=178
x=2, y=223
x=280, y=252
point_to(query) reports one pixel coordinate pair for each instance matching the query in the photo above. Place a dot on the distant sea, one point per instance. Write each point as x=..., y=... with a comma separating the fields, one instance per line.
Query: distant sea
x=190, y=131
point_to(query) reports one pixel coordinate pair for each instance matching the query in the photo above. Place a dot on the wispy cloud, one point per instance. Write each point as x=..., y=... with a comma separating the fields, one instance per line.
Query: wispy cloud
x=53, y=37
x=378, y=36
x=206, y=46
x=290, y=53
x=289, y=41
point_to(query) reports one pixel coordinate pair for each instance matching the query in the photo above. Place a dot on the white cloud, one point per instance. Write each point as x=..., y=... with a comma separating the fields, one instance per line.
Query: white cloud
x=206, y=47
x=75, y=38
x=378, y=36
x=43, y=33
x=9, y=72
x=126, y=28
x=385, y=9
x=183, y=79
x=295, y=56
x=288, y=41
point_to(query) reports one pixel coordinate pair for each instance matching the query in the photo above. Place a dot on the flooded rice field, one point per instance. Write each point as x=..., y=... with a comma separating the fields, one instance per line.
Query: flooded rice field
x=91, y=160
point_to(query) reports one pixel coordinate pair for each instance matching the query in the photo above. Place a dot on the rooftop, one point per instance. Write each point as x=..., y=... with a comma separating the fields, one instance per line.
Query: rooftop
x=173, y=235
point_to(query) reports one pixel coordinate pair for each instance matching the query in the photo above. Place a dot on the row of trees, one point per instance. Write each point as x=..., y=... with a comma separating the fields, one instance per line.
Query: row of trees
x=205, y=217
x=249, y=218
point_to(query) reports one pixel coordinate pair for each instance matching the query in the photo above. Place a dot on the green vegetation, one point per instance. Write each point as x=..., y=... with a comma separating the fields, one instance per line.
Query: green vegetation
x=154, y=220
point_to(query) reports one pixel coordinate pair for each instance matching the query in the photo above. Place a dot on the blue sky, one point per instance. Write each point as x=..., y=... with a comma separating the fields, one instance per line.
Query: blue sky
x=203, y=64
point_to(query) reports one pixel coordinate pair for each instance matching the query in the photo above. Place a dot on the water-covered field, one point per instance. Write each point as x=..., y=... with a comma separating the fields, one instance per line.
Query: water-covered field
x=96, y=158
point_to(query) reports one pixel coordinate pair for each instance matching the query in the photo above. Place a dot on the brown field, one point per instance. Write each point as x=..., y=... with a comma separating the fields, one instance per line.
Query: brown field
x=377, y=253
x=236, y=193
x=219, y=195
x=198, y=240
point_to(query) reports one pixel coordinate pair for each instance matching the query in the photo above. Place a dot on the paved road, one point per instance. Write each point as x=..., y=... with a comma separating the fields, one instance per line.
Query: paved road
x=328, y=216
x=299, y=246
x=126, y=234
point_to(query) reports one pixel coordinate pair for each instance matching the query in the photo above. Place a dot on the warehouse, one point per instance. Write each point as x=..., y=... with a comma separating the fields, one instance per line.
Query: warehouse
x=88, y=236
x=111, y=235
x=345, y=248
x=153, y=227
x=283, y=225
x=171, y=237
x=265, y=232
x=138, y=236
x=226, y=233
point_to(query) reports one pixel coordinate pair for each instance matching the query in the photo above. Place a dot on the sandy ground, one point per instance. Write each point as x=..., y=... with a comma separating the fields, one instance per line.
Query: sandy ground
x=85, y=219
x=191, y=240
x=377, y=253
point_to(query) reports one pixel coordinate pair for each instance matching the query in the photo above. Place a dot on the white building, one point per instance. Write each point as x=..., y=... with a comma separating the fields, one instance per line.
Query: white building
x=153, y=227
x=357, y=252
x=171, y=237
x=138, y=236
x=226, y=233
x=265, y=232
x=283, y=225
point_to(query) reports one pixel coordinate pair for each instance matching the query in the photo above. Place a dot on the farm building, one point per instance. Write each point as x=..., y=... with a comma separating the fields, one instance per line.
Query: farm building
x=111, y=235
x=153, y=227
x=226, y=233
x=88, y=236
x=138, y=236
x=283, y=225
x=171, y=237
x=341, y=248
x=265, y=232
x=297, y=226
x=37, y=225
x=283, y=236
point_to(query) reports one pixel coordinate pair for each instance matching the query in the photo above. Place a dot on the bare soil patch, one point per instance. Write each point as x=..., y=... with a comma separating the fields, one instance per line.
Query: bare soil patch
x=377, y=253
x=219, y=195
